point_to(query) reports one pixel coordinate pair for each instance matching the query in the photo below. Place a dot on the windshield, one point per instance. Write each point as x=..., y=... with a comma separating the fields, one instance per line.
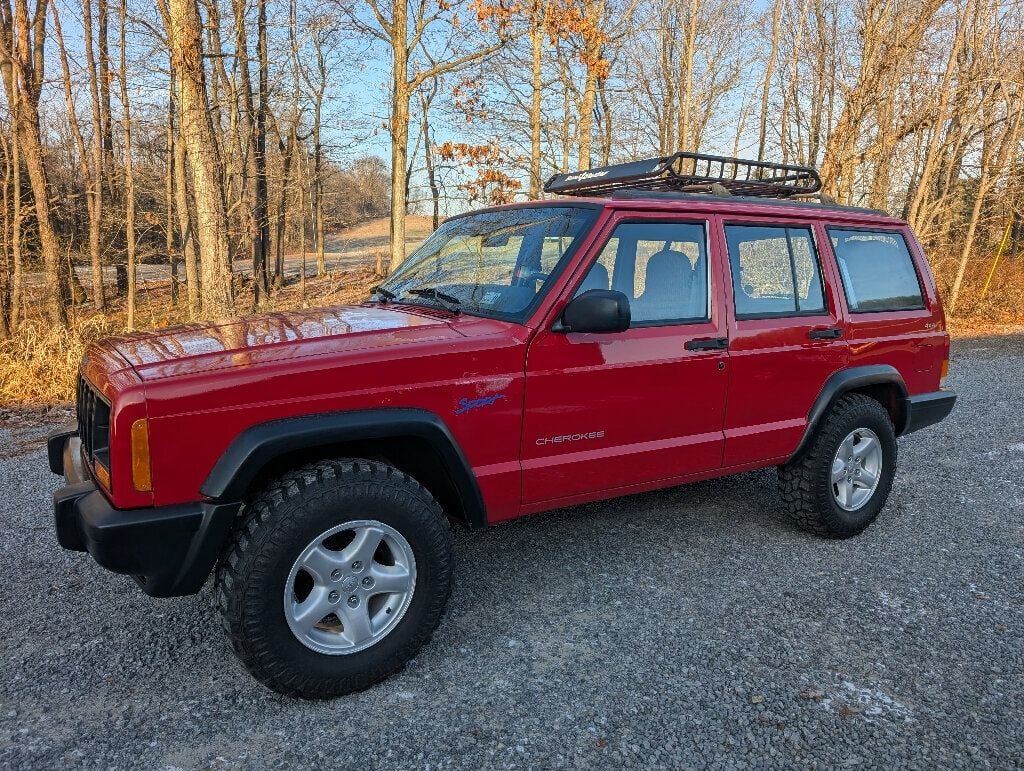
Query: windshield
x=495, y=263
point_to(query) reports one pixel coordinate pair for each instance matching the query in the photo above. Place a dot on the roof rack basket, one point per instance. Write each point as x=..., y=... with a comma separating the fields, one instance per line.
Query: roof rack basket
x=691, y=173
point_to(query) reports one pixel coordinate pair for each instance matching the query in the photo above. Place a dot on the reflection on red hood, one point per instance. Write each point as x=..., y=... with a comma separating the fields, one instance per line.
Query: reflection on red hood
x=272, y=337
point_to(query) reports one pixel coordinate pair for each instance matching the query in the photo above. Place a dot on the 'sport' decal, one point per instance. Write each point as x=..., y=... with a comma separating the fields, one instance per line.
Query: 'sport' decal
x=465, y=405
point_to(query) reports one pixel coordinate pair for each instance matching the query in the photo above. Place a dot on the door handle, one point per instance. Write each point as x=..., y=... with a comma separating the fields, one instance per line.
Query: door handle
x=825, y=334
x=708, y=344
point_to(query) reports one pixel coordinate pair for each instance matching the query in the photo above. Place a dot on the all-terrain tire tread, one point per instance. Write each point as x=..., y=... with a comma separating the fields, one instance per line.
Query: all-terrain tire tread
x=270, y=513
x=806, y=500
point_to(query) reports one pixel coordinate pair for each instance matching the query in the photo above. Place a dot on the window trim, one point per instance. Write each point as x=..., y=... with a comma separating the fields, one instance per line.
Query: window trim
x=825, y=310
x=659, y=220
x=840, y=265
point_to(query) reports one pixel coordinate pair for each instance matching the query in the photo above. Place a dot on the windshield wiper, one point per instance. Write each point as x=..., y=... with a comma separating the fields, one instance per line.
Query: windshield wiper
x=387, y=294
x=451, y=302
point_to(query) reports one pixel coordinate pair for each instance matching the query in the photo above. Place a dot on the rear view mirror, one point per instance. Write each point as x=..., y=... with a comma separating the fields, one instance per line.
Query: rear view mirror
x=596, y=310
x=497, y=240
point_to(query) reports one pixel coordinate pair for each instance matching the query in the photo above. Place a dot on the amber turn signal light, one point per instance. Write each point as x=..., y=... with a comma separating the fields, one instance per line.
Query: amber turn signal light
x=102, y=475
x=944, y=372
x=142, y=478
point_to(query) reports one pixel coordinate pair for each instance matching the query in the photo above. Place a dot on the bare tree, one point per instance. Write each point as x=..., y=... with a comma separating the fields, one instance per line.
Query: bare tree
x=129, y=171
x=22, y=42
x=403, y=32
x=184, y=31
x=94, y=182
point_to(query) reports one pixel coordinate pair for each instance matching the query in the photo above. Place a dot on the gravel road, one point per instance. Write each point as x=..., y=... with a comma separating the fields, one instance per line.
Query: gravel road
x=685, y=628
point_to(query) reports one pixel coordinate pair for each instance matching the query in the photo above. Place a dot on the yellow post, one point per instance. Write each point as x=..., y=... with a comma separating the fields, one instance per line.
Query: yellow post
x=999, y=253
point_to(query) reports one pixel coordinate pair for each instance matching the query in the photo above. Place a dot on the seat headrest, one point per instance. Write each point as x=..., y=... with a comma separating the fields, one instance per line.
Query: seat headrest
x=857, y=250
x=668, y=270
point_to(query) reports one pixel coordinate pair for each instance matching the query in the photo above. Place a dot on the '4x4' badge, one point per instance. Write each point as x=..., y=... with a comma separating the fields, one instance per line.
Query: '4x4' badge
x=465, y=405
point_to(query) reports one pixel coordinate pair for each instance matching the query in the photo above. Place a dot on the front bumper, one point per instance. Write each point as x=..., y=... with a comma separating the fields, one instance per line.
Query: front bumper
x=927, y=409
x=169, y=550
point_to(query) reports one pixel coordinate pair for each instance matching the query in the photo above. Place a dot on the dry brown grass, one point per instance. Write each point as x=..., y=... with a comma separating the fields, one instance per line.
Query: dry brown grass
x=1004, y=302
x=39, y=364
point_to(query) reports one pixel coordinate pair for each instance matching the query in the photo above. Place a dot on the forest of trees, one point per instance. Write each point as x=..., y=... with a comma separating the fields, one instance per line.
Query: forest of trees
x=201, y=132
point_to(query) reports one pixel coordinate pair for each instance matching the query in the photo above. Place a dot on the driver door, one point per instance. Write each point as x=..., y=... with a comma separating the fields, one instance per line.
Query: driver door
x=607, y=412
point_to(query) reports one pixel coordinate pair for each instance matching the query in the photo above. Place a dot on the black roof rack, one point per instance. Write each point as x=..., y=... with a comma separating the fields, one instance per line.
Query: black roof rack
x=692, y=173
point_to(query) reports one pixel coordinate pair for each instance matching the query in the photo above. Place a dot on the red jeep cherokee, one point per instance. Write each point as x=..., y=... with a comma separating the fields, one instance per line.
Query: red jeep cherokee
x=675, y=319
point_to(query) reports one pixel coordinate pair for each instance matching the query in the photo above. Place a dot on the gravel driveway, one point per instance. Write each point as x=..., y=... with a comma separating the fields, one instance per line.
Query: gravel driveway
x=691, y=627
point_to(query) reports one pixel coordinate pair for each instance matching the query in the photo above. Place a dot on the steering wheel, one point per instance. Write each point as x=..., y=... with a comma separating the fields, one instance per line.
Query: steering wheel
x=532, y=275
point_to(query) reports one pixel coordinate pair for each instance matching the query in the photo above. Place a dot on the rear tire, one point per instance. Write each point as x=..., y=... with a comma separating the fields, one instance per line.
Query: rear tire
x=839, y=483
x=271, y=587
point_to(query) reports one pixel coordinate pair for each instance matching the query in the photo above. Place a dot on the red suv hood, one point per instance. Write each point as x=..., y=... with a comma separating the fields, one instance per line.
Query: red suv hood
x=272, y=337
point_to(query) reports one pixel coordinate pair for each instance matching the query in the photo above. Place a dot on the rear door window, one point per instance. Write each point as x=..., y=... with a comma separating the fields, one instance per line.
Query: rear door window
x=775, y=271
x=877, y=271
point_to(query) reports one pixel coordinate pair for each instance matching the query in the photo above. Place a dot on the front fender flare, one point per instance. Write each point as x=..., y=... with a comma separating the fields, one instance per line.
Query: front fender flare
x=256, y=447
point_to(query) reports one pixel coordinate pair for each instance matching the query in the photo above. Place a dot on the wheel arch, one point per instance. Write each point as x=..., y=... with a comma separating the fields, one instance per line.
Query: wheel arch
x=881, y=382
x=416, y=441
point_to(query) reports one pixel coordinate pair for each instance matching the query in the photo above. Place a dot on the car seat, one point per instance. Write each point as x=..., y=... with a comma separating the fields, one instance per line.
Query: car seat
x=667, y=284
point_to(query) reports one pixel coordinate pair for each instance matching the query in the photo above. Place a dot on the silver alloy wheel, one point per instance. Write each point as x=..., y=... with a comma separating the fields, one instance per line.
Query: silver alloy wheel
x=857, y=469
x=350, y=587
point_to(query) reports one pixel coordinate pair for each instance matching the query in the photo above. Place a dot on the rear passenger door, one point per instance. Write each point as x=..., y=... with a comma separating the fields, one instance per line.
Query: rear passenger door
x=607, y=411
x=786, y=335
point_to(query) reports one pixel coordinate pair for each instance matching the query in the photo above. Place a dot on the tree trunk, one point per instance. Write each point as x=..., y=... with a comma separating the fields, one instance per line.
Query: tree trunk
x=90, y=173
x=428, y=160
x=683, y=129
x=769, y=71
x=399, y=132
x=186, y=233
x=94, y=181
x=587, y=118
x=106, y=172
x=318, y=153
x=247, y=142
x=169, y=196
x=607, y=135
x=129, y=173
x=262, y=217
x=57, y=271
x=287, y=150
x=5, y=244
x=203, y=156
x=17, y=274
x=931, y=158
x=536, y=85
x=302, y=232
x=22, y=68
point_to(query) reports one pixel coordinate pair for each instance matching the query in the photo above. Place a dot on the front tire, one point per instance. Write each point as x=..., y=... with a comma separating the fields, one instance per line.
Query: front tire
x=337, y=575
x=837, y=485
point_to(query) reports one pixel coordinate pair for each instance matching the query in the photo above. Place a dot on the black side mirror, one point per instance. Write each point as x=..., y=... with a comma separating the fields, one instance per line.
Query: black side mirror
x=596, y=310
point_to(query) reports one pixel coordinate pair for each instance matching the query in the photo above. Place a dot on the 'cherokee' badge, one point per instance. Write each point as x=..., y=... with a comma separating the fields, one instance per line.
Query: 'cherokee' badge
x=569, y=437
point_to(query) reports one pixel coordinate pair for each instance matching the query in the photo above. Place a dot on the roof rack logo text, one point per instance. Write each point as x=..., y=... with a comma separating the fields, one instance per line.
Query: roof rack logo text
x=585, y=175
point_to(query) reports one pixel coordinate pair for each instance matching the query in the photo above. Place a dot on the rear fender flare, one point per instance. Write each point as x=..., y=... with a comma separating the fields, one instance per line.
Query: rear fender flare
x=847, y=380
x=258, y=446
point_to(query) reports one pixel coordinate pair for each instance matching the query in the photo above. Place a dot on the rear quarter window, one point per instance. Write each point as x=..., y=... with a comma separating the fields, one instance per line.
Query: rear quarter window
x=877, y=270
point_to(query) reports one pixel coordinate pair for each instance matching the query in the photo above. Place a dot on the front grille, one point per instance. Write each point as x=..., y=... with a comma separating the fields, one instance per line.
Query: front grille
x=93, y=424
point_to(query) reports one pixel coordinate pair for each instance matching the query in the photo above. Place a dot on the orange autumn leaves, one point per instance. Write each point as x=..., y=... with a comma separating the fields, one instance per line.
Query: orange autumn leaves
x=491, y=184
x=556, y=20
